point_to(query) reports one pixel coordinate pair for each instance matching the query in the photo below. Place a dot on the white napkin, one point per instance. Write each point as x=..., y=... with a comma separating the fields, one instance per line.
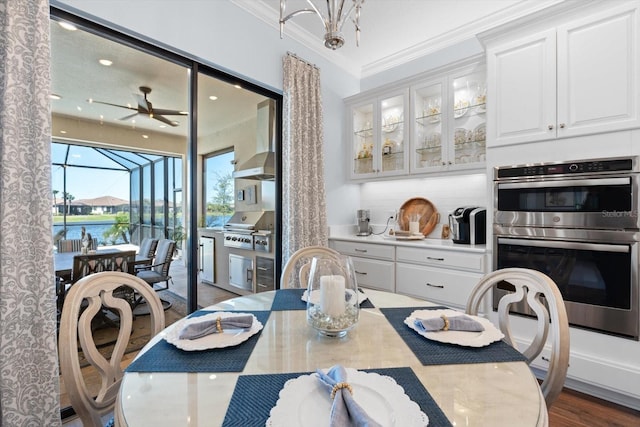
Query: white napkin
x=456, y=323
x=206, y=327
x=345, y=412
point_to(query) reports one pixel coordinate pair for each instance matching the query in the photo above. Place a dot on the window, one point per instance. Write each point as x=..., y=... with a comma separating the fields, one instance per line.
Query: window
x=218, y=188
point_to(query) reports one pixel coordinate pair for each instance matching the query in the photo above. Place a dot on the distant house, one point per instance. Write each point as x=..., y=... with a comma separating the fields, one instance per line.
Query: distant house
x=97, y=206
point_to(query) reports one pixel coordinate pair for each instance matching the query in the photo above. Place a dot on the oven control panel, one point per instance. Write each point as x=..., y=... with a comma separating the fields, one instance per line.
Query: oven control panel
x=567, y=168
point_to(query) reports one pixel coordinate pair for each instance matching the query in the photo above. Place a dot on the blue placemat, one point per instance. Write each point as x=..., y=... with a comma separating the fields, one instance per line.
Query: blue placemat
x=165, y=357
x=291, y=299
x=255, y=395
x=436, y=353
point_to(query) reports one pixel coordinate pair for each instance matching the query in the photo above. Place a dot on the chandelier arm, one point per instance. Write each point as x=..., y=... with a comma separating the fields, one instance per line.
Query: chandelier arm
x=325, y=21
x=344, y=19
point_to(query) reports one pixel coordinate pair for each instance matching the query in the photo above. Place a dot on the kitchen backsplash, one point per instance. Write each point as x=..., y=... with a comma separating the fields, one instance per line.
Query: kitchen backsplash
x=446, y=193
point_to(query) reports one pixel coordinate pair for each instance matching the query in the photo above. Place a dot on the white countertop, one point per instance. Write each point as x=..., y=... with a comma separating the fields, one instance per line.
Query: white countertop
x=425, y=243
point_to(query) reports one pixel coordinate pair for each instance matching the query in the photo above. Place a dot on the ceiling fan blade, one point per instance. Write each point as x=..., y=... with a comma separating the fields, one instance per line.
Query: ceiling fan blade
x=143, y=105
x=169, y=112
x=129, y=116
x=93, y=101
x=165, y=120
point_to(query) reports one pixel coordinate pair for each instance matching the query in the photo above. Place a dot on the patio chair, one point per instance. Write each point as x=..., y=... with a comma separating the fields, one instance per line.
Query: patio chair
x=531, y=285
x=158, y=273
x=74, y=245
x=147, y=250
x=84, y=301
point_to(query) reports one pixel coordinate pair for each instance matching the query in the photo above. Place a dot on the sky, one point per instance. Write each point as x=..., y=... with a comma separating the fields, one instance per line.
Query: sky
x=84, y=183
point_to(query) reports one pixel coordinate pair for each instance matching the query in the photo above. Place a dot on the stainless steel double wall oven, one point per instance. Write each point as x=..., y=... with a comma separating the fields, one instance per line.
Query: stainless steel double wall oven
x=578, y=223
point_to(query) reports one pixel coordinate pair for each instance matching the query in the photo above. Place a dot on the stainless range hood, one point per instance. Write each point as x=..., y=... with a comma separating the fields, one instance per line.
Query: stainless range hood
x=262, y=166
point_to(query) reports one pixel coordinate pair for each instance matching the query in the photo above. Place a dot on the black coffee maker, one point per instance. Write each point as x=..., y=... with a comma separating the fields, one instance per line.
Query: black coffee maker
x=468, y=225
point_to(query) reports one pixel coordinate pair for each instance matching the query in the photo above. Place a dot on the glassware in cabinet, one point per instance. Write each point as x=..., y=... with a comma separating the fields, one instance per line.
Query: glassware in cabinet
x=392, y=134
x=429, y=116
x=469, y=118
x=363, y=140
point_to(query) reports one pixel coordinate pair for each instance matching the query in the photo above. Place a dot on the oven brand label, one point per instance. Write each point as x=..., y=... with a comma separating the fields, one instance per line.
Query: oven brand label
x=620, y=214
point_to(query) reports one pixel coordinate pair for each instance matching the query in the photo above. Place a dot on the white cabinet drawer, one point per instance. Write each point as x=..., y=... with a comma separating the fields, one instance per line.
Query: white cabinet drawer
x=374, y=273
x=368, y=250
x=442, y=258
x=448, y=287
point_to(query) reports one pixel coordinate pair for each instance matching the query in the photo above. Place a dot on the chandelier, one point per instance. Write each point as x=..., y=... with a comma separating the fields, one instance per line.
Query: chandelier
x=332, y=23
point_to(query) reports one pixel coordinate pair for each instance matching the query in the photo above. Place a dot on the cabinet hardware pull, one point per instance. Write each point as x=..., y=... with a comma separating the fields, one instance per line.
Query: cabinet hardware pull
x=360, y=250
x=550, y=127
x=263, y=269
x=435, y=286
x=361, y=272
x=435, y=259
x=260, y=285
x=561, y=125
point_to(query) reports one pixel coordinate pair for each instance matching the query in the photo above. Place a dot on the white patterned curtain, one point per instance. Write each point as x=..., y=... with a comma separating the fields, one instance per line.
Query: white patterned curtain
x=304, y=218
x=29, y=386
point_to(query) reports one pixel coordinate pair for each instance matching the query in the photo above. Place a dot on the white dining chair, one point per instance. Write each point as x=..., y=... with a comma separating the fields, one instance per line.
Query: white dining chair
x=295, y=273
x=552, y=322
x=82, y=304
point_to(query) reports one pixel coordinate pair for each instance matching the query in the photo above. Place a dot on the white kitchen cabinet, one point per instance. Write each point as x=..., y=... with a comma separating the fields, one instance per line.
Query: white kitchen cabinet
x=373, y=264
x=445, y=277
x=577, y=78
x=449, y=121
x=379, y=135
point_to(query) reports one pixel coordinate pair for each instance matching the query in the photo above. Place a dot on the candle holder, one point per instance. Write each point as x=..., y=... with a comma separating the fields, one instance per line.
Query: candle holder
x=332, y=295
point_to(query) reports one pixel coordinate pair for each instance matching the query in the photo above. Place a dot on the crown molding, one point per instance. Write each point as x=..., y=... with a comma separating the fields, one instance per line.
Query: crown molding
x=463, y=33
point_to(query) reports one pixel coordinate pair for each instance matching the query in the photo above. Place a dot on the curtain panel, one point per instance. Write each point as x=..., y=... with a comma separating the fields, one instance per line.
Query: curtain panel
x=29, y=385
x=304, y=220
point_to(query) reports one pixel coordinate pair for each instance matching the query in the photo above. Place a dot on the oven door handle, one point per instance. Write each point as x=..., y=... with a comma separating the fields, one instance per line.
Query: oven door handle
x=566, y=183
x=565, y=245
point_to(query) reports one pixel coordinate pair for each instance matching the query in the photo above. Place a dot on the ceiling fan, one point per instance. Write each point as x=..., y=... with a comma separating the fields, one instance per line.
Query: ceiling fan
x=146, y=108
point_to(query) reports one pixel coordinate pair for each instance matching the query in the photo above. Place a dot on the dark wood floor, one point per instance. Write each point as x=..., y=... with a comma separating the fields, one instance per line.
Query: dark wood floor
x=574, y=409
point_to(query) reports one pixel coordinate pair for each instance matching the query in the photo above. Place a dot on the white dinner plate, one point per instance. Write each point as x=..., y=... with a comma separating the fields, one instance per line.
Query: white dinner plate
x=227, y=338
x=464, y=338
x=349, y=295
x=305, y=402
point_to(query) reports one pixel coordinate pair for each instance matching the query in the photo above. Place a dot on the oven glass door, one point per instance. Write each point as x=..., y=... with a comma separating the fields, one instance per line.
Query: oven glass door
x=588, y=195
x=588, y=273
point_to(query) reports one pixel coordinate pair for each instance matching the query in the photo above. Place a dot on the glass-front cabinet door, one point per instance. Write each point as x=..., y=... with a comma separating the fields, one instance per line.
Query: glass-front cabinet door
x=379, y=136
x=362, y=121
x=468, y=124
x=428, y=136
x=392, y=135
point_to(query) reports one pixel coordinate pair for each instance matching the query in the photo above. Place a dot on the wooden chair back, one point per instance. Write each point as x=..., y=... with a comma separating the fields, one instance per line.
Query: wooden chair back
x=295, y=273
x=74, y=245
x=97, y=290
x=552, y=321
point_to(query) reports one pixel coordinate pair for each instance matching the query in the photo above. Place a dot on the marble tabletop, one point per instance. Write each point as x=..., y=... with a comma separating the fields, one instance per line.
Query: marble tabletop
x=471, y=394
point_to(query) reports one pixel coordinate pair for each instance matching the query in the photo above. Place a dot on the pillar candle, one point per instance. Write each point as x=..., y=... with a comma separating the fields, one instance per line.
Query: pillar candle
x=414, y=227
x=332, y=300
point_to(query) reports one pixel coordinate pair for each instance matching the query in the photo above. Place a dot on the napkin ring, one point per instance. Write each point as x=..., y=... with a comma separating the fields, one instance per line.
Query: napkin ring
x=339, y=386
x=446, y=322
x=219, y=325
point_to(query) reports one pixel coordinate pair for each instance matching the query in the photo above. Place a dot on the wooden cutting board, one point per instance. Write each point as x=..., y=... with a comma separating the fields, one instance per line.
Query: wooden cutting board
x=429, y=216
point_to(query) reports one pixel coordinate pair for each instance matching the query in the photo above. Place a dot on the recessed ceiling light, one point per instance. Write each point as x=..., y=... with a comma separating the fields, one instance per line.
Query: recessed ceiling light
x=79, y=108
x=237, y=86
x=55, y=96
x=63, y=131
x=105, y=62
x=163, y=126
x=213, y=97
x=145, y=136
x=67, y=26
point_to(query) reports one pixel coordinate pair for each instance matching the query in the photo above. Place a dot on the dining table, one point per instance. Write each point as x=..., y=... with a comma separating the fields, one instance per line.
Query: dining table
x=269, y=376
